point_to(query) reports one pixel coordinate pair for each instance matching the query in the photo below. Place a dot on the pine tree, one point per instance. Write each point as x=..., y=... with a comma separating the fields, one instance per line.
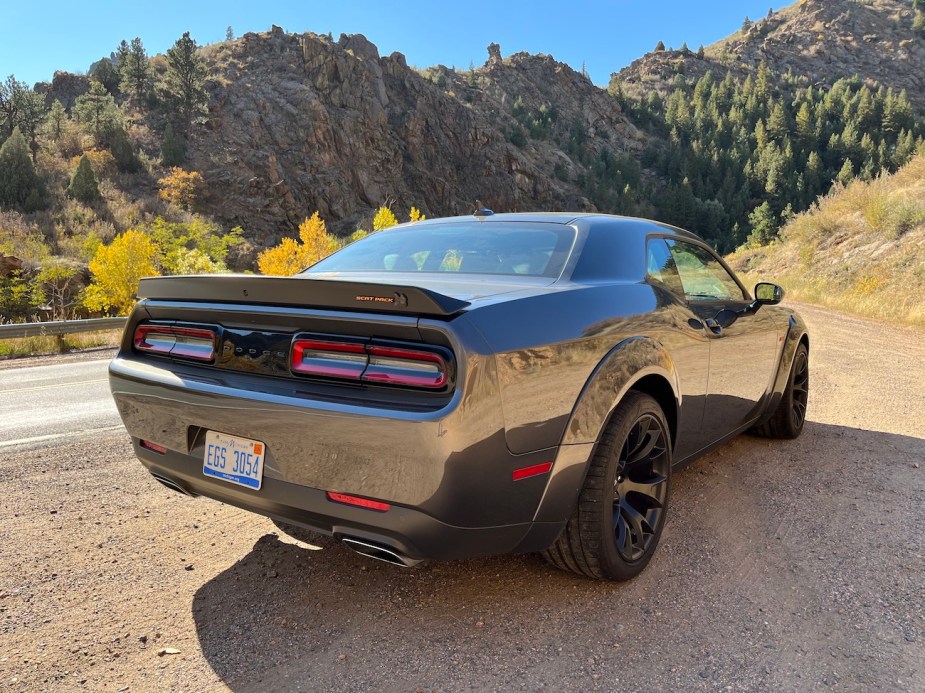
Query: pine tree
x=173, y=149
x=135, y=71
x=97, y=112
x=660, y=46
x=104, y=72
x=57, y=117
x=764, y=225
x=123, y=152
x=84, y=184
x=10, y=92
x=18, y=179
x=185, y=81
x=846, y=174
x=229, y=33
x=30, y=114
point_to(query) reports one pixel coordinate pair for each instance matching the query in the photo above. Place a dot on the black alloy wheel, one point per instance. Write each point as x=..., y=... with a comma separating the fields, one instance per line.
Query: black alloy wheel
x=640, y=490
x=621, y=510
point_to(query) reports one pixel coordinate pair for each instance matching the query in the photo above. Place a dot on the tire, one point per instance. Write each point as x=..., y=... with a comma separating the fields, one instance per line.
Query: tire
x=788, y=419
x=622, y=507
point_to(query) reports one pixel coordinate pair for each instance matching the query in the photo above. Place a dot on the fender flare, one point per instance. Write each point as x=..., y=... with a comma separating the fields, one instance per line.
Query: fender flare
x=625, y=365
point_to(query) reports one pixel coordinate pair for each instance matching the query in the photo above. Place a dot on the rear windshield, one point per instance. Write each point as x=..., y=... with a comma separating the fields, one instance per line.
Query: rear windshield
x=512, y=248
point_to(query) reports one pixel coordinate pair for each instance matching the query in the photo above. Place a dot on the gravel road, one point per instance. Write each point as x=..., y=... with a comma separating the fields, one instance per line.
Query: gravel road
x=784, y=566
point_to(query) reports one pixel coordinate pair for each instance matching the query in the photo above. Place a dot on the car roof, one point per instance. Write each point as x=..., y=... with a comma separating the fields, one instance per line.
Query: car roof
x=622, y=224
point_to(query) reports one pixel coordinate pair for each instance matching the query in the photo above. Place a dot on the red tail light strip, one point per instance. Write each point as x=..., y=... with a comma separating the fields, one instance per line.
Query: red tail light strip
x=369, y=363
x=358, y=502
x=535, y=470
x=154, y=447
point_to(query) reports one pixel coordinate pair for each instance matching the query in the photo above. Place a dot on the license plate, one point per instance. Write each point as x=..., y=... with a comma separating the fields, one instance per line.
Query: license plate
x=234, y=459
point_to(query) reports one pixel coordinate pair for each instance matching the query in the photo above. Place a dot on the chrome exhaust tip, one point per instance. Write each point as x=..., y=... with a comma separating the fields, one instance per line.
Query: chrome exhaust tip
x=379, y=552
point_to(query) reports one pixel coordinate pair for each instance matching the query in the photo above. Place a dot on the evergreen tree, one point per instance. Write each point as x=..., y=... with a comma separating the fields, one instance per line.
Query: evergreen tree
x=104, y=72
x=700, y=52
x=18, y=179
x=10, y=97
x=173, y=149
x=30, y=113
x=84, y=185
x=97, y=112
x=57, y=117
x=660, y=46
x=229, y=33
x=764, y=225
x=123, y=152
x=846, y=174
x=185, y=81
x=135, y=71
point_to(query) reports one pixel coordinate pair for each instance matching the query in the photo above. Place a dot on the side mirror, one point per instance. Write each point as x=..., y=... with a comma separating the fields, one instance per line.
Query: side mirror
x=768, y=294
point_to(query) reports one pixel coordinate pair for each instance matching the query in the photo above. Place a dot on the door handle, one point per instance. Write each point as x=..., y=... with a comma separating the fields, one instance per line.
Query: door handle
x=714, y=327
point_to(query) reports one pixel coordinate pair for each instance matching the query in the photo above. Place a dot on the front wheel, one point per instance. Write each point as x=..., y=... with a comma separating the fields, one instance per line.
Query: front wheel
x=621, y=510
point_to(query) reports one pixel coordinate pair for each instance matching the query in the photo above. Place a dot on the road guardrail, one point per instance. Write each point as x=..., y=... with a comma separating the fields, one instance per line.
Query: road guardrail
x=59, y=327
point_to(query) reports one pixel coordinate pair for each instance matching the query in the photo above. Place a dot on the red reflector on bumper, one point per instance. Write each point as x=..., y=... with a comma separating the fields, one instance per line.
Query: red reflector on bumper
x=160, y=449
x=535, y=470
x=358, y=502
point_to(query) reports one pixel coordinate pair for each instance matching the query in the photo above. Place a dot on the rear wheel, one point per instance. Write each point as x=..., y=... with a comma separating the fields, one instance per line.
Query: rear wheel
x=790, y=415
x=621, y=510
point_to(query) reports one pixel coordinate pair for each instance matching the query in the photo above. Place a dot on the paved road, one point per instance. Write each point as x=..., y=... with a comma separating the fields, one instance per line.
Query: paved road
x=42, y=405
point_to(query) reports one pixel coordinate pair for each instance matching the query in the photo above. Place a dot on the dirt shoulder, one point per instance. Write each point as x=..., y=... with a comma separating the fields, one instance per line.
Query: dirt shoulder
x=791, y=566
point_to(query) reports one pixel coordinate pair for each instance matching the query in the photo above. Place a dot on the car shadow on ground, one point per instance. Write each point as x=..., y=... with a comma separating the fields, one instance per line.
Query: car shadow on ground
x=292, y=616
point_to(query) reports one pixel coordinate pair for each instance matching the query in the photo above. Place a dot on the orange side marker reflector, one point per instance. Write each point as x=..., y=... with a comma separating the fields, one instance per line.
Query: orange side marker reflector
x=154, y=446
x=535, y=470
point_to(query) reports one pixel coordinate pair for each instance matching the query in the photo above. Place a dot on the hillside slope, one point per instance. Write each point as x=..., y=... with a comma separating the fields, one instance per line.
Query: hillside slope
x=301, y=122
x=821, y=41
x=861, y=249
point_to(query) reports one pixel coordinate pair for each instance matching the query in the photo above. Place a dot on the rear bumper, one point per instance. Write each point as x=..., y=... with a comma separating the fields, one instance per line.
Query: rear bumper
x=407, y=531
x=447, y=474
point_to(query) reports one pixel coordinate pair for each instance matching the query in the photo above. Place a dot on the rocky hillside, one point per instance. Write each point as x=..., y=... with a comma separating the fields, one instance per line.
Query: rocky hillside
x=861, y=249
x=819, y=40
x=301, y=122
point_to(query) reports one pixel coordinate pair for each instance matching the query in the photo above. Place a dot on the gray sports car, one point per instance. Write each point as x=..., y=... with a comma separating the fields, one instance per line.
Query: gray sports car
x=461, y=387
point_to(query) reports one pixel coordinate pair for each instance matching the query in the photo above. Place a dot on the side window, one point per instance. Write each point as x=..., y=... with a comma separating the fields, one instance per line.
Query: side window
x=660, y=266
x=702, y=275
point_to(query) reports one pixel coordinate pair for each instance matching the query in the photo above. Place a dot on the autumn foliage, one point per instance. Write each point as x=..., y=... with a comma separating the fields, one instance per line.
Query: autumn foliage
x=116, y=269
x=291, y=257
x=180, y=187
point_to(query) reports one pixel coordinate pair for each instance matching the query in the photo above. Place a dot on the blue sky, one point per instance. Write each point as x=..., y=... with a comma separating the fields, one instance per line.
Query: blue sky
x=40, y=36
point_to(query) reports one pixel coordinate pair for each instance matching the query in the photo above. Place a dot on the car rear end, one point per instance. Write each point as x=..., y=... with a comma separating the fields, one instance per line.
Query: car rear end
x=367, y=411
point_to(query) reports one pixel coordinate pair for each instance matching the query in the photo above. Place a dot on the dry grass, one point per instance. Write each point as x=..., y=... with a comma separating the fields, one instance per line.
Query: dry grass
x=35, y=346
x=861, y=249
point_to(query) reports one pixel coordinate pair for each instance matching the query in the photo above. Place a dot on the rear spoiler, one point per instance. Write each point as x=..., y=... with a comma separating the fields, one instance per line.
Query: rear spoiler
x=300, y=291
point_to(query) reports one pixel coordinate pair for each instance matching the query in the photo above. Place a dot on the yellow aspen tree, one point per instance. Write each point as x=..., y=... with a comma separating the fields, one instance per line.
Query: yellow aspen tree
x=384, y=219
x=415, y=214
x=116, y=269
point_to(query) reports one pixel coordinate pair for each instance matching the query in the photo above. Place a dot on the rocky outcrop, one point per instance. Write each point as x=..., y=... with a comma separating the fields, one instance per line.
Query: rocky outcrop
x=9, y=264
x=302, y=122
x=64, y=87
x=819, y=41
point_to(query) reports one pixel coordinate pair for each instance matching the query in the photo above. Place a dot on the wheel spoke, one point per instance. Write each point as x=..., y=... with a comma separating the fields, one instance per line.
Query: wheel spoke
x=651, y=488
x=639, y=526
x=648, y=440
